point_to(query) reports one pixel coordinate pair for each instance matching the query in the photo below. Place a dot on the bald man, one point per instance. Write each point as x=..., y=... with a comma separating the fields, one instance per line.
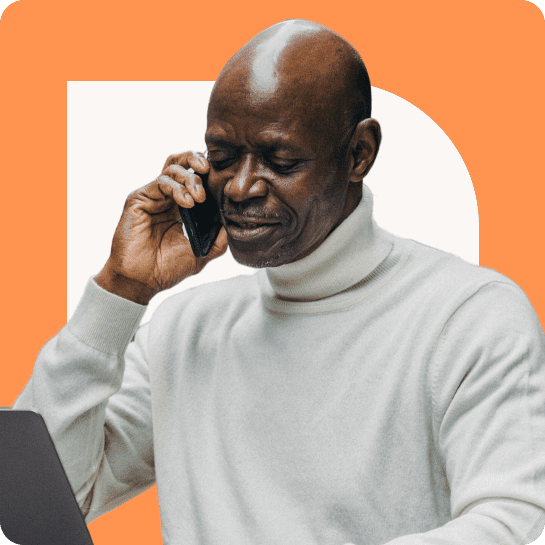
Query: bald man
x=359, y=388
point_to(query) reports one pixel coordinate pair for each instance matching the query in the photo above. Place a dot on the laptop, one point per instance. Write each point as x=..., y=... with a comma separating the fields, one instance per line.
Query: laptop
x=37, y=505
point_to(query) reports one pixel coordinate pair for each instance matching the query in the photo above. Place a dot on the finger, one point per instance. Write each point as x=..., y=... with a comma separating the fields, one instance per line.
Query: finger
x=198, y=162
x=179, y=159
x=190, y=180
x=149, y=199
x=167, y=188
x=189, y=159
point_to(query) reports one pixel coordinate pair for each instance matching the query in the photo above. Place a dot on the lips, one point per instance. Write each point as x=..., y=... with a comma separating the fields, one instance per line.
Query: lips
x=249, y=228
x=250, y=220
x=252, y=225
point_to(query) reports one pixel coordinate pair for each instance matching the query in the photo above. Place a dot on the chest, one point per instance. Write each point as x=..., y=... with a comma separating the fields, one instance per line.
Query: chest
x=305, y=390
x=313, y=415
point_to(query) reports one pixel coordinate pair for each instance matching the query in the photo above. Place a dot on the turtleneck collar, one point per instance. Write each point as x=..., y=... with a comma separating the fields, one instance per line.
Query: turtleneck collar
x=349, y=254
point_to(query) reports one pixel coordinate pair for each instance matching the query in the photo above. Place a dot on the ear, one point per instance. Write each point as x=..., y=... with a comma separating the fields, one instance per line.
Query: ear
x=364, y=148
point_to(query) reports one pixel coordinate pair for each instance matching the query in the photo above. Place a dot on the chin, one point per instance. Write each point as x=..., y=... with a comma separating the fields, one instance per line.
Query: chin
x=257, y=260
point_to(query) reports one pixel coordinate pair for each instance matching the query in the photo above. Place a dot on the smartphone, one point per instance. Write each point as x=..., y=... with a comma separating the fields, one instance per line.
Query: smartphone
x=202, y=222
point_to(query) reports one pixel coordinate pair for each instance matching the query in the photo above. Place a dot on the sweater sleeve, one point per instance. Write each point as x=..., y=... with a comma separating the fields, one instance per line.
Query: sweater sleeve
x=92, y=389
x=489, y=421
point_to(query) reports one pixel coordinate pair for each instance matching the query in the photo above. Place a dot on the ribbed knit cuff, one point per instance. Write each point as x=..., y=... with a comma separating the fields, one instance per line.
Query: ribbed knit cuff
x=105, y=321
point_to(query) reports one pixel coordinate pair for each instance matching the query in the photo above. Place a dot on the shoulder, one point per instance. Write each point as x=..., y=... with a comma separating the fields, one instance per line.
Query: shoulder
x=434, y=263
x=489, y=337
x=470, y=308
x=487, y=327
x=445, y=281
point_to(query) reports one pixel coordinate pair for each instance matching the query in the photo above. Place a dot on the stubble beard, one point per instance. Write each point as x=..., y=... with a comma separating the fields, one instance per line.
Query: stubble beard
x=249, y=259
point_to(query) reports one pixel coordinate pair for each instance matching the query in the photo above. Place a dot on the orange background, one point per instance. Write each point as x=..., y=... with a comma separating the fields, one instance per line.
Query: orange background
x=475, y=67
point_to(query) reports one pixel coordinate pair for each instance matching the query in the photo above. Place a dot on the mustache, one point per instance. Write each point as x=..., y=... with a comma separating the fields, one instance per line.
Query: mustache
x=251, y=210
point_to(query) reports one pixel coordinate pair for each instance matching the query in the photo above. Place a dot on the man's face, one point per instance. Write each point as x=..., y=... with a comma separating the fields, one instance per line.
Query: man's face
x=279, y=172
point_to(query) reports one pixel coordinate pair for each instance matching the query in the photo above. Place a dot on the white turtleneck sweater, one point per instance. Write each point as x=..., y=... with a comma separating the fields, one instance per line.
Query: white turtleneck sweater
x=377, y=391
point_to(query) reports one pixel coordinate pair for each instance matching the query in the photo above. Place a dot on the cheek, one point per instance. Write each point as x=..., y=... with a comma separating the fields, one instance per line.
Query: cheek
x=329, y=202
x=312, y=204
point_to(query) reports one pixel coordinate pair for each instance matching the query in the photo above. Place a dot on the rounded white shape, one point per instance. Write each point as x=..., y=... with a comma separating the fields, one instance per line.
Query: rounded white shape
x=120, y=134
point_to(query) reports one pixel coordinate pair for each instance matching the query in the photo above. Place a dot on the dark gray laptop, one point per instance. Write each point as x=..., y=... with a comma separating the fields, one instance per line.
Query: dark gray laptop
x=37, y=505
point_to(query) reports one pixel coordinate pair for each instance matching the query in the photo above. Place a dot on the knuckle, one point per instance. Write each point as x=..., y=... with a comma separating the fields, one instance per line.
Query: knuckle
x=175, y=157
x=171, y=159
x=164, y=180
x=175, y=170
x=130, y=198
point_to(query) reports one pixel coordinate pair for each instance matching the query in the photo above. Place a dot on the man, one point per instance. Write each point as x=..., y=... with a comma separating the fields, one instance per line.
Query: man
x=360, y=388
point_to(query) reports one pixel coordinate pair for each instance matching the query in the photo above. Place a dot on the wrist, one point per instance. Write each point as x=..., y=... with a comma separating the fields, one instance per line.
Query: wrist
x=124, y=287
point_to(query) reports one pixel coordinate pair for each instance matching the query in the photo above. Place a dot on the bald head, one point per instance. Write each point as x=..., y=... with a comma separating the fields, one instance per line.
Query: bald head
x=289, y=141
x=302, y=63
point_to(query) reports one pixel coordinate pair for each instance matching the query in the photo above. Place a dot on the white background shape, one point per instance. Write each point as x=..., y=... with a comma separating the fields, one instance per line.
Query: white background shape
x=120, y=134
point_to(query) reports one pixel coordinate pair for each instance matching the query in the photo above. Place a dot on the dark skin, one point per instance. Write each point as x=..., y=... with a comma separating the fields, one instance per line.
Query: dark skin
x=283, y=166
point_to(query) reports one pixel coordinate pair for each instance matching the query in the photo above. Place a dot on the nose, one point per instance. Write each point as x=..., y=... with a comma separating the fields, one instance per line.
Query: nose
x=246, y=182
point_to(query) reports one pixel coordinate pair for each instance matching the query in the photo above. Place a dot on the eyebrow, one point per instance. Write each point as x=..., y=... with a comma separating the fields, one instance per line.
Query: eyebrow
x=216, y=141
x=269, y=145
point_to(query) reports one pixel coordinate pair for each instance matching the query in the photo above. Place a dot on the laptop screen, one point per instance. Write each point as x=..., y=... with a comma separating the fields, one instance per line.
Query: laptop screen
x=37, y=505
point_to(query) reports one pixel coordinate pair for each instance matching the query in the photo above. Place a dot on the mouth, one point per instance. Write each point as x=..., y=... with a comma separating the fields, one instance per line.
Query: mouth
x=248, y=228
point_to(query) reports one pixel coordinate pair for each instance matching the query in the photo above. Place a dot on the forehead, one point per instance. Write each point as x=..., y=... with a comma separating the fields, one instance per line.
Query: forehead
x=260, y=126
x=280, y=119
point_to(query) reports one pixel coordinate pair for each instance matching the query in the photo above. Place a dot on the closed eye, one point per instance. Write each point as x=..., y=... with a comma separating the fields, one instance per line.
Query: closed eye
x=220, y=165
x=283, y=166
x=220, y=159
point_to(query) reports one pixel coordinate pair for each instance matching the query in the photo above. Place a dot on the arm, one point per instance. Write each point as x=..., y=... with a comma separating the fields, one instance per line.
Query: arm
x=95, y=401
x=489, y=421
x=92, y=391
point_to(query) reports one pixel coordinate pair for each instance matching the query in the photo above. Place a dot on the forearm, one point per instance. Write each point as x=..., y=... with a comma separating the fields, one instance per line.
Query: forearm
x=491, y=522
x=74, y=377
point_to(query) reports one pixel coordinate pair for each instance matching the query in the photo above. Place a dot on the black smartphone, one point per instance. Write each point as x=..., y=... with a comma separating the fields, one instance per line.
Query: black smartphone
x=202, y=222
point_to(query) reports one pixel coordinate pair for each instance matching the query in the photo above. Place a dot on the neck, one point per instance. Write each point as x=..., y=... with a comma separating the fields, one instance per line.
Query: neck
x=350, y=252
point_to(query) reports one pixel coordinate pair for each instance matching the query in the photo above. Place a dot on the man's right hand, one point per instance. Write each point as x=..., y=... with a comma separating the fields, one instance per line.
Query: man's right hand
x=150, y=252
